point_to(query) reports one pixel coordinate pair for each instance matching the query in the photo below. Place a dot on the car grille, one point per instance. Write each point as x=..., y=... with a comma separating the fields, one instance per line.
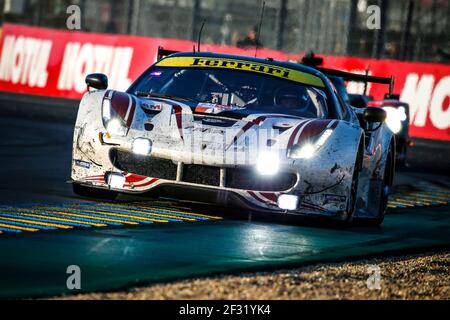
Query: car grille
x=236, y=178
x=143, y=165
x=201, y=174
x=249, y=179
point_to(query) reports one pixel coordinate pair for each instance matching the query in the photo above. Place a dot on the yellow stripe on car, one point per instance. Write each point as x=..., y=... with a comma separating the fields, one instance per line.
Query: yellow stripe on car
x=243, y=65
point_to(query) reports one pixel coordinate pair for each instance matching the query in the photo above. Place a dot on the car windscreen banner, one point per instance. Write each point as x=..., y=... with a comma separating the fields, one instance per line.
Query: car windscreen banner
x=54, y=63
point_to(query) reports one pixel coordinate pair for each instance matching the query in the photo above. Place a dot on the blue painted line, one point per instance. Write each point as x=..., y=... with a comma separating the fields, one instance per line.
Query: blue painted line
x=134, y=214
x=407, y=202
x=160, y=212
x=423, y=201
x=179, y=214
x=80, y=219
x=75, y=211
x=23, y=224
x=397, y=205
x=415, y=200
x=46, y=220
x=9, y=230
x=439, y=194
x=433, y=198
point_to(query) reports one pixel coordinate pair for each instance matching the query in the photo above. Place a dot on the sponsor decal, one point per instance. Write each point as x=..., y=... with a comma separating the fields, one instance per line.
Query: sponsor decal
x=214, y=108
x=83, y=164
x=268, y=69
x=151, y=106
x=213, y=121
x=81, y=59
x=217, y=122
x=24, y=60
x=334, y=198
x=424, y=105
x=55, y=63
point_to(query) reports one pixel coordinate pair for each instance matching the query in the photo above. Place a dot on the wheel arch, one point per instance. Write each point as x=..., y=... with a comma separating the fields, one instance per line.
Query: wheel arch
x=361, y=149
x=392, y=151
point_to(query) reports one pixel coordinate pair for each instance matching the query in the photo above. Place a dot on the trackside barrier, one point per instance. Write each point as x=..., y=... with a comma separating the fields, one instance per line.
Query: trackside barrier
x=54, y=63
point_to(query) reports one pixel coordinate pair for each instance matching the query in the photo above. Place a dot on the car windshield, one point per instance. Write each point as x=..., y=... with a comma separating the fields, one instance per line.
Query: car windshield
x=339, y=84
x=237, y=91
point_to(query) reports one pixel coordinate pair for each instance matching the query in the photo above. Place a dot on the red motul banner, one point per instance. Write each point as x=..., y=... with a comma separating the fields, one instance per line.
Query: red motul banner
x=54, y=63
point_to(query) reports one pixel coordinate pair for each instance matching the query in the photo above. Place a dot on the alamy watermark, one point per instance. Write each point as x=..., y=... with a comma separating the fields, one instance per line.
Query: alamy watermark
x=373, y=282
x=74, y=280
x=373, y=21
x=73, y=22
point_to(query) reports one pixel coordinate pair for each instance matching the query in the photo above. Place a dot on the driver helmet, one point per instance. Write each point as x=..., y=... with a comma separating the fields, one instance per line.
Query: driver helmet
x=292, y=98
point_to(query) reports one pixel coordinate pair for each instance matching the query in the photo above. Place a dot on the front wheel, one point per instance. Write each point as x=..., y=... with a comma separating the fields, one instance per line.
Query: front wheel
x=351, y=206
x=93, y=192
x=401, y=154
x=384, y=197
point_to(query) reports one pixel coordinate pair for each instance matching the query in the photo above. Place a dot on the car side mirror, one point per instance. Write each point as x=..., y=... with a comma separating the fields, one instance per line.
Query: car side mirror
x=97, y=80
x=373, y=114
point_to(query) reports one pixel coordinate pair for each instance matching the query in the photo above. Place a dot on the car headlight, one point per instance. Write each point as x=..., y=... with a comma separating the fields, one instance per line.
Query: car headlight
x=288, y=202
x=394, y=118
x=106, y=110
x=113, y=123
x=115, y=126
x=307, y=150
x=268, y=163
x=141, y=146
x=116, y=180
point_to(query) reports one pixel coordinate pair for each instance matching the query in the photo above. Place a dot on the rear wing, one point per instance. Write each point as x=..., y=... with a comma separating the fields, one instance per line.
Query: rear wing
x=348, y=76
x=162, y=53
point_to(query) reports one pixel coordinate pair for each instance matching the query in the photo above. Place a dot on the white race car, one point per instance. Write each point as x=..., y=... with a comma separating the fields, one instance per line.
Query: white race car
x=237, y=131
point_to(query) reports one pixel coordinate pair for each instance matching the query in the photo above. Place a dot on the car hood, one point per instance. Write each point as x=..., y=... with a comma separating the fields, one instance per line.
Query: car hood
x=201, y=130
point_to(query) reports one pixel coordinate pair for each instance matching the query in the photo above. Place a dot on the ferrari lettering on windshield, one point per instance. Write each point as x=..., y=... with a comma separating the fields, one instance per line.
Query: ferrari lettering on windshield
x=282, y=72
x=236, y=64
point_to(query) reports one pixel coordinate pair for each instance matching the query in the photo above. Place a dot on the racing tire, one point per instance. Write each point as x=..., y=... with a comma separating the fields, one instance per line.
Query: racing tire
x=376, y=222
x=401, y=155
x=88, y=192
x=351, y=207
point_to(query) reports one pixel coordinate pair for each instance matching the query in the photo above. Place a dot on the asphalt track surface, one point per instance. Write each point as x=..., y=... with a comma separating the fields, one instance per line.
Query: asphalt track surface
x=44, y=227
